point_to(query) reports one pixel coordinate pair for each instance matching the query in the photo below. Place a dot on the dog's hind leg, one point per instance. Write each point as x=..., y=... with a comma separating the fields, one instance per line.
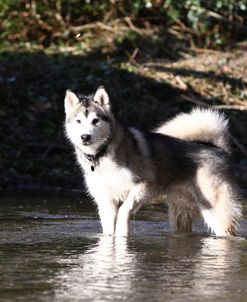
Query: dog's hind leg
x=222, y=219
x=222, y=211
x=179, y=218
x=182, y=211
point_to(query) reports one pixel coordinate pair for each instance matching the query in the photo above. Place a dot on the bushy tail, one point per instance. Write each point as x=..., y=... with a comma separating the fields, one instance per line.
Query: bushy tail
x=204, y=125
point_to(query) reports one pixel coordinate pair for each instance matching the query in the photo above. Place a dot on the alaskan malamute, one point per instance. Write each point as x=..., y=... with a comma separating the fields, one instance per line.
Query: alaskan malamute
x=186, y=159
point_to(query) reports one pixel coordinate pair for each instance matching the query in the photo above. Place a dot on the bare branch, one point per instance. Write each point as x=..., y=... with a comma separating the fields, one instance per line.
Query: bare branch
x=93, y=25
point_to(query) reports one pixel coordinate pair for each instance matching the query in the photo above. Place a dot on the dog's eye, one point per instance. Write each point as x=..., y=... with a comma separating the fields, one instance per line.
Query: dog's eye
x=95, y=121
x=78, y=121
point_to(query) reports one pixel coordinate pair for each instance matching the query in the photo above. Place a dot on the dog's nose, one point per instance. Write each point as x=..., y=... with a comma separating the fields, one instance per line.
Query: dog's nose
x=85, y=137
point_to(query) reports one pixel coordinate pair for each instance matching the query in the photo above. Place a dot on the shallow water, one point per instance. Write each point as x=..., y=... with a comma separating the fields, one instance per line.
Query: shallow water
x=51, y=249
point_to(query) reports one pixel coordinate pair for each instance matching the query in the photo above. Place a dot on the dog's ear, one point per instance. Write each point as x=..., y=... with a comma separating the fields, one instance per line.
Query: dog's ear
x=70, y=101
x=101, y=97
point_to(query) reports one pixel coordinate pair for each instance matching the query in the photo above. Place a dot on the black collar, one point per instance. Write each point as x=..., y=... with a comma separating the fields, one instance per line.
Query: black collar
x=94, y=158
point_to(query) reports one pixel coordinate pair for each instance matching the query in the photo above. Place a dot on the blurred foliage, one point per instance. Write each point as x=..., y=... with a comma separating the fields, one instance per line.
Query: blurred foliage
x=207, y=23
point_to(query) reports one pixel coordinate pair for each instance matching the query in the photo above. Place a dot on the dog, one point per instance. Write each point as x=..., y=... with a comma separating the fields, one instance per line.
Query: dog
x=186, y=159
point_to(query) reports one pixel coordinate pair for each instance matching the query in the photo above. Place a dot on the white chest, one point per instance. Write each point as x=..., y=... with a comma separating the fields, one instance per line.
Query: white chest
x=109, y=181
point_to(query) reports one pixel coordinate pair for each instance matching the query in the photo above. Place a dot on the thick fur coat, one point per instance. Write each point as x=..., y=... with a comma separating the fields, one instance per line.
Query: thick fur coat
x=186, y=159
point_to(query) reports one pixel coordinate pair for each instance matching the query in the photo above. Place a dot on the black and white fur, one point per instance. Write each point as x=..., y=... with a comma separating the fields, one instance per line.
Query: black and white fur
x=187, y=159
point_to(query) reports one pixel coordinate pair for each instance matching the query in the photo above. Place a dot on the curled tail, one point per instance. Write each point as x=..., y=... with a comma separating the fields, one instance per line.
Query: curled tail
x=203, y=125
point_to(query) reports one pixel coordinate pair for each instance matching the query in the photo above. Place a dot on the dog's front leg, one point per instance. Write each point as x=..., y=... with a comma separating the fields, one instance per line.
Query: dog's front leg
x=131, y=204
x=108, y=214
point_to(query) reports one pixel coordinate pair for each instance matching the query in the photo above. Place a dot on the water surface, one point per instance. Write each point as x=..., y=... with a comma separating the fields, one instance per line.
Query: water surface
x=51, y=249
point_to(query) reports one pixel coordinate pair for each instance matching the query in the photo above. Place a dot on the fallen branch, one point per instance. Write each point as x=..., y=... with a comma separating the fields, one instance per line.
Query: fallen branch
x=47, y=150
x=194, y=101
x=132, y=26
x=217, y=107
x=218, y=17
x=132, y=57
x=93, y=25
x=230, y=107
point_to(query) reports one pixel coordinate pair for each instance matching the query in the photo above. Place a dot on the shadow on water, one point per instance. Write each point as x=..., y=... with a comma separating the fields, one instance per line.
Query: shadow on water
x=51, y=250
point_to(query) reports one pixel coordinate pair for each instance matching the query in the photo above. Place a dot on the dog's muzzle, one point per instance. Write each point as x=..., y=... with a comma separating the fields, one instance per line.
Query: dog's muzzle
x=86, y=139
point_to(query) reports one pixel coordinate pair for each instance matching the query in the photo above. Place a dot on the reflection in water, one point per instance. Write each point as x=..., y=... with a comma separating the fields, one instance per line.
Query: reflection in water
x=173, y=268
x=218, y=264
x=102, y=273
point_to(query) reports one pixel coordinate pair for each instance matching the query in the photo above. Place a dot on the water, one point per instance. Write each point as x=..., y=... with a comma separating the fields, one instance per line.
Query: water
x=52, y=250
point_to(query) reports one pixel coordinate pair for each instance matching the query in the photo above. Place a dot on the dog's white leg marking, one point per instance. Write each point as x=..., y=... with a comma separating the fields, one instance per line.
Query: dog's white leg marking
x=134, y=200
x=108, y=214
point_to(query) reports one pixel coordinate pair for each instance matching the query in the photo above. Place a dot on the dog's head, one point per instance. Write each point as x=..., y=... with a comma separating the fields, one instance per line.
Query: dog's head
x=88, y=120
